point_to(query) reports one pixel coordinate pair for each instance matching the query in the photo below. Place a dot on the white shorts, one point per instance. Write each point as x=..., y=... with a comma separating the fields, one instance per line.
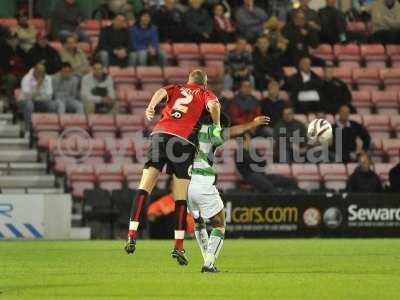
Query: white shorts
x=203, y=197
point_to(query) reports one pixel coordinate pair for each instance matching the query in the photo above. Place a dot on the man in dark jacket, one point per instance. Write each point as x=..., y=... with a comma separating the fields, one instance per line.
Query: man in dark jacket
x=65, y=20
x=333, y=24
x=268, y=65
x=305, y=88
x=301, y=37
x=335, y=93
x=199, y=24
x=169, y=20
x=364, y=179
x=42, y=51
x=115, y=44
x=394, y=179
x=349, y=131
x=252, y=167
x=273, y=105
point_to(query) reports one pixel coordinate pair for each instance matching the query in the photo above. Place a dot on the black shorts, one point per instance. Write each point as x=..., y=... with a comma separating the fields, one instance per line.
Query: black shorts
x=170, y=150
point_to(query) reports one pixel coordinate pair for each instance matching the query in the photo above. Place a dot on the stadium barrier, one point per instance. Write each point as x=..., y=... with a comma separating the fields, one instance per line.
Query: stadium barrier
x=346, y=215
x=35, y=216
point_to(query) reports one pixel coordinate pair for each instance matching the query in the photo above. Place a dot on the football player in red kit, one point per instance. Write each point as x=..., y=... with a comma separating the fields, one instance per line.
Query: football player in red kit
x=173, y=144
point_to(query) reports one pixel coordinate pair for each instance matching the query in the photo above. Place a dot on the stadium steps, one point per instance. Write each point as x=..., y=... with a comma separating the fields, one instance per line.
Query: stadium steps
x=18, y=156
x=27, y=169
x=10, y=131
x=22, y=182
x=44, y=191
x=6, y=119
x=14, y=144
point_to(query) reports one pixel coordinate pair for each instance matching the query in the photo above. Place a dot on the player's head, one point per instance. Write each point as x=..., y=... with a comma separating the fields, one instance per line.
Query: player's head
x=198, y=77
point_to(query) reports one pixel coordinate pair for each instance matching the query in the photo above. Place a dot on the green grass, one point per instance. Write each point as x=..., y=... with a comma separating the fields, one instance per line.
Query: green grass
x=251, y=269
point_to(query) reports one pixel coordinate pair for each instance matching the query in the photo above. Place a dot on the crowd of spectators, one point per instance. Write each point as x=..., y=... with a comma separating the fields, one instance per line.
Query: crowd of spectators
x=67, y=80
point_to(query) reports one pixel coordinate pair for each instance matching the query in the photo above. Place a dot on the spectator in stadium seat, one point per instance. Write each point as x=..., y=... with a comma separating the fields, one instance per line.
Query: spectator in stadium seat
x=305, y=88
x=286, y=132
x=26, y=33
x=115, y=43
x=394, y=179
x=272, y=106
x=198, y=23
x=224, y=32
x=311, y=16
x=36, y=94
x=335, y=92
x=333, y=24
x=66, y=91
x=129, y=8
x=65, y=20
x=364, y=179
x=97, y=91
x=301, y=38
x=272, y=30
x=250, y=20
x=145, y=44
x=350, y=131
x=386, y=22
x=12, y=67
x=42, y=51
x=267, y=65
x=238, y=65
x=252, y=167
x=72, y=54
x=244, y=107
x=170, y=22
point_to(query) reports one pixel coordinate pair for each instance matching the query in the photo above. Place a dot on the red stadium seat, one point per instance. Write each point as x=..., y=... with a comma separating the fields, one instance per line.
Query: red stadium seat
x=176, y=74
x=120, y=149
x=151, y=78
x=62, y=147
x=102, y=125
x=393, y=51
x=73, y=121
x=289, y=71
x=61, y=163
x=39, y=24
x=382, y=170
x=109, y=176
x=279, y=169
x=376, y=149
x=213, y=74
x=391, y=79
x=91, y=27
x=367, y=79
x=386, y=102
x=218, y=65
x=395, y=124
x=334, y=176
x=132, y=174
x=44, y=137
x=318, y=70
x=356, y=118
x=138, y=98
x=351, y=168
x=91, y=147
x=374, y=55
x=8, y=22
x=227, y=94
x=377, y=125
x=356, y=27
x=45, y=122
x=362, y=101
x=129, y=125
x=307, y=176
x=187, y=54
x=345, y=74
x=348, y=55
x=324, y=51
x=56, y=45
x=80, y=178
x=210, y=51
x=166, y=49
x=392, y=149
x=123, y=75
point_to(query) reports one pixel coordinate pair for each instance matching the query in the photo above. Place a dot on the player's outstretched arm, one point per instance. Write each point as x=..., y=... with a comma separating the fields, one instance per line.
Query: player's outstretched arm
x=238, y=130
x=215, y=111
x=155, y=100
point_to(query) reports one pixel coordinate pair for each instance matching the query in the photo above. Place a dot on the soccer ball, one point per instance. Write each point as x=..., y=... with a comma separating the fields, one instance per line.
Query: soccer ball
x=319, y=132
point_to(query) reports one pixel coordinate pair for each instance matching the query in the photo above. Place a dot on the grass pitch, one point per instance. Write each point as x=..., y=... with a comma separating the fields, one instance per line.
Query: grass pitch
x=251, y=269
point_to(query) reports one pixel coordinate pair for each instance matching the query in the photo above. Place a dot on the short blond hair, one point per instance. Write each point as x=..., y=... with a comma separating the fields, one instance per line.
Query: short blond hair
x=198, y=76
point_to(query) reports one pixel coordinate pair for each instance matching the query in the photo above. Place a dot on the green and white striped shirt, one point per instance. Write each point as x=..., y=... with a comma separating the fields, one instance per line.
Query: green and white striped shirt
x=203, y=162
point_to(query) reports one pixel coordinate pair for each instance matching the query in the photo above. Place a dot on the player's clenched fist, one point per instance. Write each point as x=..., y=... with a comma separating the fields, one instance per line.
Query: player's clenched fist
x=150, y=112
x=262, y=120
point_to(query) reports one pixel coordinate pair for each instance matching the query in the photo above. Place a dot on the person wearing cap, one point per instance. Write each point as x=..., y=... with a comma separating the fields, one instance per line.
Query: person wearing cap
x=26, y=32
x=43, y=51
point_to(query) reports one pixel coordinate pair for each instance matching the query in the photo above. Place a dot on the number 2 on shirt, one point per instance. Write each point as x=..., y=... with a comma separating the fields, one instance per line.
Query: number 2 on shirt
x=180, y=106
